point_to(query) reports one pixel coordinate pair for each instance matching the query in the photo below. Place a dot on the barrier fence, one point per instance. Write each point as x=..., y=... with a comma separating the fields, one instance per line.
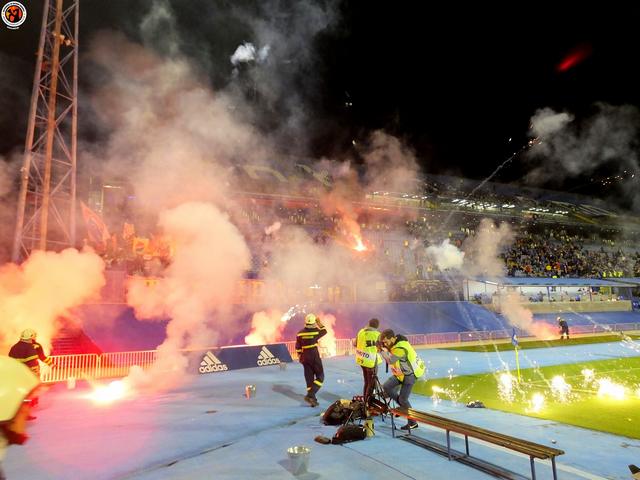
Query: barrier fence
x=118, y=364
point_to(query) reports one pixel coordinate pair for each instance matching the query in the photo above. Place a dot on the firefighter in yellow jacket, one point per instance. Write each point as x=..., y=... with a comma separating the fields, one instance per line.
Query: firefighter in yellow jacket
x=405, y=366
x=367, y=355
x=309, y=356
x=17, y=384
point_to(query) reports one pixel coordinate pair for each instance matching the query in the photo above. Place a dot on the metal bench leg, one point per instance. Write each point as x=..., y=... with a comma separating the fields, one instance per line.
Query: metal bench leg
x=448, y=445
x=393, y=426
x=533, y=469
x=553, y=468
x=466, y=443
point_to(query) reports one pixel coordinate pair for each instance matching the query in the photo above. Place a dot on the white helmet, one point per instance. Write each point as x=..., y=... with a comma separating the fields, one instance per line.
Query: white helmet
x=310, y=320
x=28, y=334
x=17, y=381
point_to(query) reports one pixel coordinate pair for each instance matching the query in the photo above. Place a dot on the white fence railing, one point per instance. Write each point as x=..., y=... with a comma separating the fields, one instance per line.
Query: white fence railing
x=118, y=364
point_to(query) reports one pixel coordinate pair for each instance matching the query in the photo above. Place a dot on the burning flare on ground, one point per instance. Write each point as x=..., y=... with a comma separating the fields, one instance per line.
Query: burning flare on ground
x=112, y=392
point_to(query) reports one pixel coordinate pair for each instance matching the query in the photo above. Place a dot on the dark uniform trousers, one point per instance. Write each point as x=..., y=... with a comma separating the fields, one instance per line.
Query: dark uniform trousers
x=309, y=355
x=313, y=371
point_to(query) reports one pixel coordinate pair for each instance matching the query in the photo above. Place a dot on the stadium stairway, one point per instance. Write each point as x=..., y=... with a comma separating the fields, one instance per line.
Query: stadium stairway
x=71, y=339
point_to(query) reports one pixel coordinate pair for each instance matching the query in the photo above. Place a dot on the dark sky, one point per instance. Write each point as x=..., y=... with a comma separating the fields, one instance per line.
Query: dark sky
x=454, y=83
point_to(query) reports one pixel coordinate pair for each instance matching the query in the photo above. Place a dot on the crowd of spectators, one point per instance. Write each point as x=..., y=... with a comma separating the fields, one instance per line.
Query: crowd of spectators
x=397, y=247
x=533, y=255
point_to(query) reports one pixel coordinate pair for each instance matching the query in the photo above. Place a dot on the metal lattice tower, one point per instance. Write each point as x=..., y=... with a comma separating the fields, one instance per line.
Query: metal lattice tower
x=47, y=203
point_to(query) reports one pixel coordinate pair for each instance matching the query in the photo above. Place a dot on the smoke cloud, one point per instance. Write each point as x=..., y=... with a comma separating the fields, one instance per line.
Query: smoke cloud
x=546, y=122
x=484, y=248
x=446, y=256
x=198, y=287
x=390, y=164
x=247, y=53
x=566, y=148
x=46, y=286
x=266, y=327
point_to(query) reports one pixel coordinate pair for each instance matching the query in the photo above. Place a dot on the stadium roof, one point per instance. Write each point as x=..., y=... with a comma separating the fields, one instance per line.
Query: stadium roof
x=558, y=282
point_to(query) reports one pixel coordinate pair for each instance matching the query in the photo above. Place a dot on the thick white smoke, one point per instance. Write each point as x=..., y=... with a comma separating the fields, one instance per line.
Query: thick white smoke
x=546, y=122
x=198, y=287
x=446, y=256
x=248, y=53
x=45, y=287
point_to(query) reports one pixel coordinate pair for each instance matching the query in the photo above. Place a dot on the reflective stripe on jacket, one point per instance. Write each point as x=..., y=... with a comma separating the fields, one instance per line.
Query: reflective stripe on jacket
x=29, y=353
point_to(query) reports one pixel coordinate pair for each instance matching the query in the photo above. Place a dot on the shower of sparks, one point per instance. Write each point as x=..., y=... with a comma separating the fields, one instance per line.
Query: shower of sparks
x=505, y=387
x=589, y=376
x=609, y=389
x=537, y=402
x=560, y=389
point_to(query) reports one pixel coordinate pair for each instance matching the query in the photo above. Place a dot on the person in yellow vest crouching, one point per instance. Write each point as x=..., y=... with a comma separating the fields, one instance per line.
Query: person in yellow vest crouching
x=406, y=367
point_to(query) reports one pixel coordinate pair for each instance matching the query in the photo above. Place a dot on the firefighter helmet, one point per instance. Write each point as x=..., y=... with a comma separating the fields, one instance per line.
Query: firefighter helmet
x=310, y=320
x=28, y=334
x=18, y=381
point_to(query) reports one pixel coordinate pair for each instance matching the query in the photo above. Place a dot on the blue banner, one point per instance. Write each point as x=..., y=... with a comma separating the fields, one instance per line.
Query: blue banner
x=243, y=356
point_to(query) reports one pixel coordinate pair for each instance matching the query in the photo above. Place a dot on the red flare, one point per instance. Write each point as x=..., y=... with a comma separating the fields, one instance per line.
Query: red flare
x=575, y=56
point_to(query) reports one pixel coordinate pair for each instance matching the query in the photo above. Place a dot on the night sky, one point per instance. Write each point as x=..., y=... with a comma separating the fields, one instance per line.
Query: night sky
x=455, y=84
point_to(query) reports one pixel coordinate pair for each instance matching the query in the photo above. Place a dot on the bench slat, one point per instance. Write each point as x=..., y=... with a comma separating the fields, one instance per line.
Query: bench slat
x=523, y=446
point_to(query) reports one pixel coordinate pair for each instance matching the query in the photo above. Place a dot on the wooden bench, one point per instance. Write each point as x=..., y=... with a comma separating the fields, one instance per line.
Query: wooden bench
x=531, y=449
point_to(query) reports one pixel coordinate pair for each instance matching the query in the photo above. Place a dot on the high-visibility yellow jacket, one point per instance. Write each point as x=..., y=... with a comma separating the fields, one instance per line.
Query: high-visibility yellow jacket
x=366, y=350
x=405, y=360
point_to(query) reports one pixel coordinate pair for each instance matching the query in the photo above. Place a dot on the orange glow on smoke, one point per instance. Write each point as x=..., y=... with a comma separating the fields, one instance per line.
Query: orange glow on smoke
x=543, y=331
x=266, y=327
